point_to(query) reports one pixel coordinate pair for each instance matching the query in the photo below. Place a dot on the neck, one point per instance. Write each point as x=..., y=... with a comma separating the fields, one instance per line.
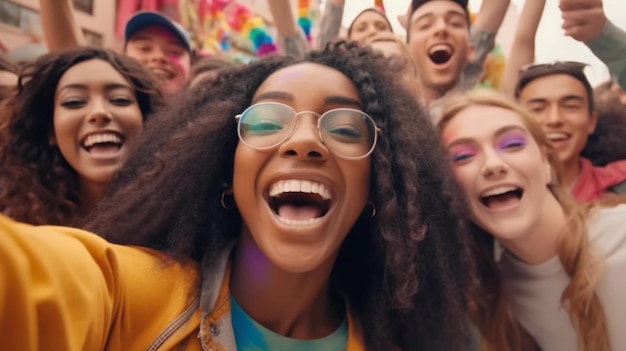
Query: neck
x=430, y=94
x=90, y=194
x=541, y=242
x=571, y=173
x=296, y=305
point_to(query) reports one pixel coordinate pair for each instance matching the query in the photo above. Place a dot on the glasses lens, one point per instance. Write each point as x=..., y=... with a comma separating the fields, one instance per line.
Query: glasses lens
x=266, y=125
x=349, y=133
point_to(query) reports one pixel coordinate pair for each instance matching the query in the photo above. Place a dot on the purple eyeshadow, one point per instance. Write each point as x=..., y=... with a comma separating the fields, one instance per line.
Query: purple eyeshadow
x=512, y=141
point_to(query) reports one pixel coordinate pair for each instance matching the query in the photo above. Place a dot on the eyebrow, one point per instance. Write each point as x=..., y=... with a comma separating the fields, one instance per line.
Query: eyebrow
x=448, y=13
x=497, y=133
x=285, y=96
x=108, y=87
x=572, y=97
x=561, y=99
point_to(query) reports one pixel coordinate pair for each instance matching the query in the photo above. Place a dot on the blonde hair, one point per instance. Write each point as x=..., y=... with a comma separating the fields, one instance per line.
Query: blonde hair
x=492, y=314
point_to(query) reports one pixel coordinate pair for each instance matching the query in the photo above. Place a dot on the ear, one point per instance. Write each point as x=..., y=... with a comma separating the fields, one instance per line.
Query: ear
x=228, y=188
x=471, y=52
x=52, y=140
x=593, y=122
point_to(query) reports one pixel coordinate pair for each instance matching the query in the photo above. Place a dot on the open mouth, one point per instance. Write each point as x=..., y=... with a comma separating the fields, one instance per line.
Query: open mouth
x=103, y=143
x=299, y=202
x=557, y=136
x=501, y=197
x=440, y=54
x=161, y=73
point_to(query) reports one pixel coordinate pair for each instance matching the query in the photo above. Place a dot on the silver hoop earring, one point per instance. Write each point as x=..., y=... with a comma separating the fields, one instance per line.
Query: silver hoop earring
x=227, y=204
x=373, y=209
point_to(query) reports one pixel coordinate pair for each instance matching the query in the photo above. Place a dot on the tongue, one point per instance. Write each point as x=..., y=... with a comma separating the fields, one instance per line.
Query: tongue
x=104, y=149
x=501, y=201
x=299, y=213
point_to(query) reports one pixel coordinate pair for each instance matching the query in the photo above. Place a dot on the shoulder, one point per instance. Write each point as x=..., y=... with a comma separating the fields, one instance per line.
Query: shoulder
x=607, y=228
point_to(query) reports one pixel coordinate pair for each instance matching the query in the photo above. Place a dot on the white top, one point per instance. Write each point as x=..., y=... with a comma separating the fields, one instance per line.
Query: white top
x=535, y=291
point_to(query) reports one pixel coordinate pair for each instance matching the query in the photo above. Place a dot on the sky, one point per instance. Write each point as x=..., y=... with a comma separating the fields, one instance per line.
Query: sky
x=551, y=43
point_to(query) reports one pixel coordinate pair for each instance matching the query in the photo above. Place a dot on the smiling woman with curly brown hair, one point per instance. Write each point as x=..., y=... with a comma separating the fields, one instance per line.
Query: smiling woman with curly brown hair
x=301, y=203
x=69, y=129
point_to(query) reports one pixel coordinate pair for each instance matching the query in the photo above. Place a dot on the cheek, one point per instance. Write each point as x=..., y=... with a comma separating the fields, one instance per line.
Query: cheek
x=465, y=176
x=358, y=180
x=182, y=64
x=133, y=120
x=136, y=54
x=64, y=124
x=246, y=167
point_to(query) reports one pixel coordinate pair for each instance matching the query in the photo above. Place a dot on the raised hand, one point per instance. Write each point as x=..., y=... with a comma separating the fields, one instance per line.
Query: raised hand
x=583, y=20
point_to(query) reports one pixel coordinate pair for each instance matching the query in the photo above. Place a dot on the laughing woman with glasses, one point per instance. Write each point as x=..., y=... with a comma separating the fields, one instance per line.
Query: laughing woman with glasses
x=287, y=205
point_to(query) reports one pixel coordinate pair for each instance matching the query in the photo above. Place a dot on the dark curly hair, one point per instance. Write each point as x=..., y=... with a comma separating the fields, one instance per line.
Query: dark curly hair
x=607, y=143
x=406, y=272
x=37, y=185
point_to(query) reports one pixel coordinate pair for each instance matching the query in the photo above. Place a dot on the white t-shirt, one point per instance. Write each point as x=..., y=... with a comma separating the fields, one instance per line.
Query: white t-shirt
x=535, y=291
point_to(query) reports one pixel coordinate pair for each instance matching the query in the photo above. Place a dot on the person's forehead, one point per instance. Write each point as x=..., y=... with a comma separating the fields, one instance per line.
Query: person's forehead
x=465, y=124
x=370, y=15
x=156, y=33
x=314, y=75
x=553, y=86
x=438, y=8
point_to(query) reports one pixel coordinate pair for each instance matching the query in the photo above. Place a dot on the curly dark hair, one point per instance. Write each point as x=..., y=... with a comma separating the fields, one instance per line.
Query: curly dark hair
x=205, y=65
x=406, y=272
x=38, y=185
x=607, y=143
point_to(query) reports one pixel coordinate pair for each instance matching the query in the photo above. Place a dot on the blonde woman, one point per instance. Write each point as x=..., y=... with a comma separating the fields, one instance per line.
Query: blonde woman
x=559, y=282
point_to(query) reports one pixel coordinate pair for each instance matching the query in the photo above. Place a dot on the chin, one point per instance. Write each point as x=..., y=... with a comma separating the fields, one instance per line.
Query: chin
x=295, y=261
x=443, y=83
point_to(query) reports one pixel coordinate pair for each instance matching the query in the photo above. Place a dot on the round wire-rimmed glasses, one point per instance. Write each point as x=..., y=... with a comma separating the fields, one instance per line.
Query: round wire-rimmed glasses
x=348, y=133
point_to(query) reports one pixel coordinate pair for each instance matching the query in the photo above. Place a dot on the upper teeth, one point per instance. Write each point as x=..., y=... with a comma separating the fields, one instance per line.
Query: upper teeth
x=499, y=191
x=300, y=186
x=102, y=138
x=161, y=72
x=440, y=47
x=556, y=136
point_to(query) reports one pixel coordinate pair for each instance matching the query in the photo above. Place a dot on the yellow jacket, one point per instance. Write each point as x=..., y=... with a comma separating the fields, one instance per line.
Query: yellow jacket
x=67, y=289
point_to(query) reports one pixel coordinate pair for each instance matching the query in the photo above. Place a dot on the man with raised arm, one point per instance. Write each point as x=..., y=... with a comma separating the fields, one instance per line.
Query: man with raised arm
x=585, y=21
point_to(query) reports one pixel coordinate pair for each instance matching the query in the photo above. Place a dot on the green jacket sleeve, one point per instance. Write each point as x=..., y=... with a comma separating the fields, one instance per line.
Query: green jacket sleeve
x=610, y=47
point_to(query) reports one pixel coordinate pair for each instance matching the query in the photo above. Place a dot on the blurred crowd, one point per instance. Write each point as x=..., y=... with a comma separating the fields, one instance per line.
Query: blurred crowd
x=355, y=190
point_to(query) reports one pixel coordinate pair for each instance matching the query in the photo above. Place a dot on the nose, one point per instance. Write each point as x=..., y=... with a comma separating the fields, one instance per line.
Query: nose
x=99, y=114
x=157, y=54
x=304, y=142
x=370, y=31
x=554, y=116
x=493, y=165
x=440, y=26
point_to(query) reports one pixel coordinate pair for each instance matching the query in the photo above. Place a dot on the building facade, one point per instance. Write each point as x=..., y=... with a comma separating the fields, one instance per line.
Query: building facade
x=21, y=35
